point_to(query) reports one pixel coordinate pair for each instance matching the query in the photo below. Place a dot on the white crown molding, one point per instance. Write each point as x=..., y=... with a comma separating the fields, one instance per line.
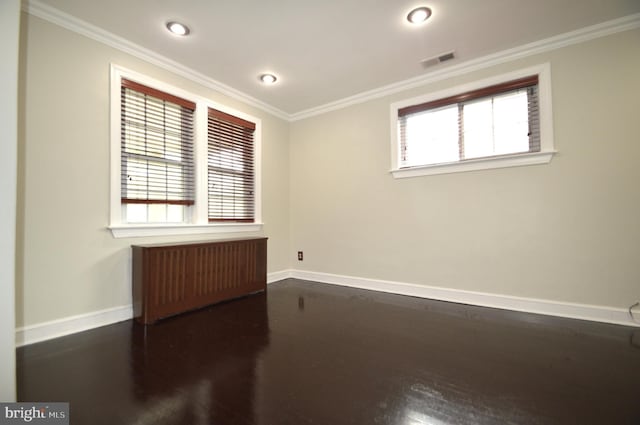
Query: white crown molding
x=55, y=16
x=618, y=316
x=574, y=37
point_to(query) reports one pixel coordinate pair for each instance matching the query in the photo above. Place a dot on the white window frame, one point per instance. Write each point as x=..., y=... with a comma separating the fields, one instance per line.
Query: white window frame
x=547, y=149
x=197, y=217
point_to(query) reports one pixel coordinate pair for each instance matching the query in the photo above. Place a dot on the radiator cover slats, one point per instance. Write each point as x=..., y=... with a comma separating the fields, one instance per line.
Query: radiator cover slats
x=171, y=279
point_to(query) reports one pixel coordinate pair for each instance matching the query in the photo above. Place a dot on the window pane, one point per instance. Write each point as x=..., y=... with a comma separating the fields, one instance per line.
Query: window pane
x=478, y=129
x=175, y=213
x=135, y=213
x=154, y=213
x=157, y=213
x=432, y=137
x=136, y=178
x=230, y=195
x=511, y=123
x=496, y=126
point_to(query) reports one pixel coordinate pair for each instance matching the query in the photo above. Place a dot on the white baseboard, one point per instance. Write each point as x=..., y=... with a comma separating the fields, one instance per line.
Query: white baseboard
x=618, y=316
x=278, y=276
x=48, y=330
x=56, y=328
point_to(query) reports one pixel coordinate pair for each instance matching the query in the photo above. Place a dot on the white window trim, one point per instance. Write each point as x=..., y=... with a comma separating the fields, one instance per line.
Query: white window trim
x=199, y=223
x=547, y=149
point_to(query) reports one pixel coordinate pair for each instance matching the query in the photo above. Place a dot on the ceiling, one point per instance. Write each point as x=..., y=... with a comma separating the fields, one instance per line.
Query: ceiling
x=324, y=51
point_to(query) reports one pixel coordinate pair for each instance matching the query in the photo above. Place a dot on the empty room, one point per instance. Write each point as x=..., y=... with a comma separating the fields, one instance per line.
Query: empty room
x=339, y=212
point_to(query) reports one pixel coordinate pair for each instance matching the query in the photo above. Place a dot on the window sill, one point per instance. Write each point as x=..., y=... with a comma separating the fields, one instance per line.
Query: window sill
x=143, y=230
x=475, y=164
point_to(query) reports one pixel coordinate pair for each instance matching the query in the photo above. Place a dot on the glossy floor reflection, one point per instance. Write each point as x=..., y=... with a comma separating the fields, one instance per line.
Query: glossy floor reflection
x=310, y=353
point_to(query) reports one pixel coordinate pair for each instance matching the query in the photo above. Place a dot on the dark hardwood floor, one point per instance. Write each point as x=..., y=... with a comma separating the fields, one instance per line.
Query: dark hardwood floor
x=308, y=353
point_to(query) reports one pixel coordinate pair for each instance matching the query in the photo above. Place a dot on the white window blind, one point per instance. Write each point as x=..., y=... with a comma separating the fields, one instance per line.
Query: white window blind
x=230, y=164
x=502, y=119
x=156, y=146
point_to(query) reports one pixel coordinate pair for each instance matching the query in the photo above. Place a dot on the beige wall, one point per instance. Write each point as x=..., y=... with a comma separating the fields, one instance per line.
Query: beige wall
x=9, y=32
x=68, y=262
x=567, y=231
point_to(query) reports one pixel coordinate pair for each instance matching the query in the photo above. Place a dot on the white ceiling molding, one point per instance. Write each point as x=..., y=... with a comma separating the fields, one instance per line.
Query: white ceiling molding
x=574, y=37
x=48, y=13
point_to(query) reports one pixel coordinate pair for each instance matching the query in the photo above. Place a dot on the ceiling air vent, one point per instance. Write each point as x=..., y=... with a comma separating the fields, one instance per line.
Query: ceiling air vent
x=435, y=60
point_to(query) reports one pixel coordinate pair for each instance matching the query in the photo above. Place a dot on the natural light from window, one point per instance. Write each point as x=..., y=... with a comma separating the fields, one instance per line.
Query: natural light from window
x=497, y=126
x=477, y=129
x=181, y=164
x=432, y=137
x=498, y=122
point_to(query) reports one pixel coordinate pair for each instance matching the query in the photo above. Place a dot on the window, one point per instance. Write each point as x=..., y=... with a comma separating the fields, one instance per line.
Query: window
x=180, y=163
x=491, y=124
x=230, y=167
x=156, y=154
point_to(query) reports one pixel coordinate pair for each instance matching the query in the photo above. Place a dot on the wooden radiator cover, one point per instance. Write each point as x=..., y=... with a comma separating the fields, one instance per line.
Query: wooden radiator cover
x=173, y=278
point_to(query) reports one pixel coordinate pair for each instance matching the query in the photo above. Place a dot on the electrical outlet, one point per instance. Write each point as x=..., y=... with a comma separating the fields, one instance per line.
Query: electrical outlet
x=300, y=256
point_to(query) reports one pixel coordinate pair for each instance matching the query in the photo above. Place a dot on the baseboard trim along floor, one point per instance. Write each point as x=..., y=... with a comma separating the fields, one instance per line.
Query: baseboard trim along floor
x=313, y=353
x=68, y=325
x=47, y=330
x=618, y=316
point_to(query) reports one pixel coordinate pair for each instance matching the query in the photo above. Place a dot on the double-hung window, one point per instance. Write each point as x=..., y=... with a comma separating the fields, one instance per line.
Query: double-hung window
x=230, y=168
x=180, y=163
x=157, y=171
x=495, y=123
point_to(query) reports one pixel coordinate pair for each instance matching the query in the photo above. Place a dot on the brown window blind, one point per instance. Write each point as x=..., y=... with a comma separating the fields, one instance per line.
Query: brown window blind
x=157, y=146
x=466, y=123
x=231, y=177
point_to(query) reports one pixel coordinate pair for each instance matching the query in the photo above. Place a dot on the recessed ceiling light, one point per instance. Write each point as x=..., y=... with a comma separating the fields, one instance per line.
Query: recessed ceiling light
x=419, y=15
x=268, y=78
x=177, y=28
